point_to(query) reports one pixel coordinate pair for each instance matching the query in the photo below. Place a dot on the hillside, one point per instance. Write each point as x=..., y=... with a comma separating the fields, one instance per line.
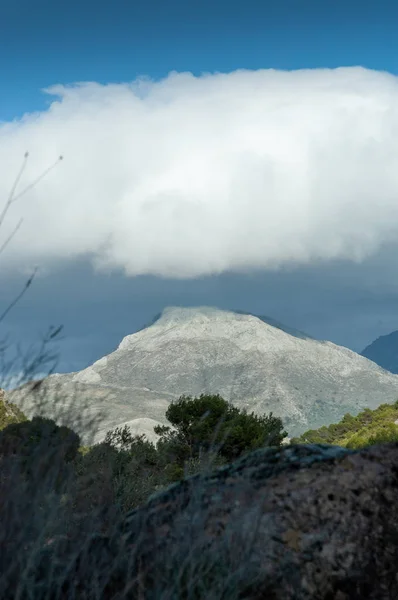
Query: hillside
x=367, y=428
x=255, y=365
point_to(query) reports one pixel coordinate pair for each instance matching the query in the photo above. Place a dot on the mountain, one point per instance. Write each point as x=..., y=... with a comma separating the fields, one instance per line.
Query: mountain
x=248, y=361
x=384, y=352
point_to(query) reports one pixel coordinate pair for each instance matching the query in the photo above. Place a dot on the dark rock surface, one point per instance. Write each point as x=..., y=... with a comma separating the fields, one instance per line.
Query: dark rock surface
x=298, y=523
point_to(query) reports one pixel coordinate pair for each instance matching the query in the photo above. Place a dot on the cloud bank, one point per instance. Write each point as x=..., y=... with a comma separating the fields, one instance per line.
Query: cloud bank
x=192, y=176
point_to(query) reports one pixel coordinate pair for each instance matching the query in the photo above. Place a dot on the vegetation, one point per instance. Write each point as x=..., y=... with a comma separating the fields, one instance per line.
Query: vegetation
x=211, y=424
x=56, y=495
x=9, y=413
x=59, y=492
x=367, y=428
x=208, y=431
x=126, y=469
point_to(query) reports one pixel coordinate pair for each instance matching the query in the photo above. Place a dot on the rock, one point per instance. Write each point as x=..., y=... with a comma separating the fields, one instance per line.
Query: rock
x=310, y=522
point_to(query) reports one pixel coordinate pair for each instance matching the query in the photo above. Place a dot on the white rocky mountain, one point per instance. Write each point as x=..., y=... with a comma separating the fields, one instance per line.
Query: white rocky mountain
x=254, y=362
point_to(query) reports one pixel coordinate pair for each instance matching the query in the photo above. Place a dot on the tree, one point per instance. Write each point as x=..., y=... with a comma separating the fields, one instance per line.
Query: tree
x=211, y=424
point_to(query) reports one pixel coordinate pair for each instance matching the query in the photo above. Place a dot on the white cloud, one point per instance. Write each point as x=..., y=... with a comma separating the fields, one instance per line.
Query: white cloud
x=191, y=176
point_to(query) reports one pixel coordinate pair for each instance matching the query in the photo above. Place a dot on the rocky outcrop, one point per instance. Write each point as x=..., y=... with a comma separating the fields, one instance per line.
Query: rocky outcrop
x=309, y=522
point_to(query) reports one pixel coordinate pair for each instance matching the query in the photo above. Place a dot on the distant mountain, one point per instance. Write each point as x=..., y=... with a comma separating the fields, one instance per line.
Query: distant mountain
x=250, y=362
x=384, y=352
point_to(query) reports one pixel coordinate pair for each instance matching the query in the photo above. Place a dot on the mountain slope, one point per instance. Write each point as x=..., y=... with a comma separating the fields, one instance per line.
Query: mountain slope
x=369, y=427
x=270, y=321
x=384, y=352
x=255, y=365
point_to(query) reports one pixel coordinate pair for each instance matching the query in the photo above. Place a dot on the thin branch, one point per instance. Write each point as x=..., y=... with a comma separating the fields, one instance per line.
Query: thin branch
x=14, y=187
x=12, y=199
x=37, y=180
x=27, y=284
x=11, y=236
x=29, y=366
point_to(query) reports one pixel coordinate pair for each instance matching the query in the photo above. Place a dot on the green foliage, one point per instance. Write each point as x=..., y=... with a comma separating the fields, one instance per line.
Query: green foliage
x=9, y=414
x=367, y=428
x=121, y=438
x=123, y=469
x=131, y=448
x=211, y=423
x=381, y=434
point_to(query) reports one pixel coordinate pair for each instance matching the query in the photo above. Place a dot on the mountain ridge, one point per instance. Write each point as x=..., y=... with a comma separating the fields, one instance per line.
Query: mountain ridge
x=384, y=351
x=249, y=362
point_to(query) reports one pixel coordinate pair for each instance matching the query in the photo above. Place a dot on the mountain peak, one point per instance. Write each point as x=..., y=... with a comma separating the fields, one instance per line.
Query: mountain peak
x=204, y=313
x=204, y=322
x=177, y=315
x=253, y=362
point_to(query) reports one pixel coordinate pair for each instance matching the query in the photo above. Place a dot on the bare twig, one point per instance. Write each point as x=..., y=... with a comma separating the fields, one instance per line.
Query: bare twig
x=12, y=198
x=11, y=236
x=27, y=284
x=14, y=187
x=31, y=185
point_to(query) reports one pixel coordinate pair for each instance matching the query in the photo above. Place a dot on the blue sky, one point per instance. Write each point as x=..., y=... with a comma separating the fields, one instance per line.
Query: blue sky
x=46, y=42
x=336, y=277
